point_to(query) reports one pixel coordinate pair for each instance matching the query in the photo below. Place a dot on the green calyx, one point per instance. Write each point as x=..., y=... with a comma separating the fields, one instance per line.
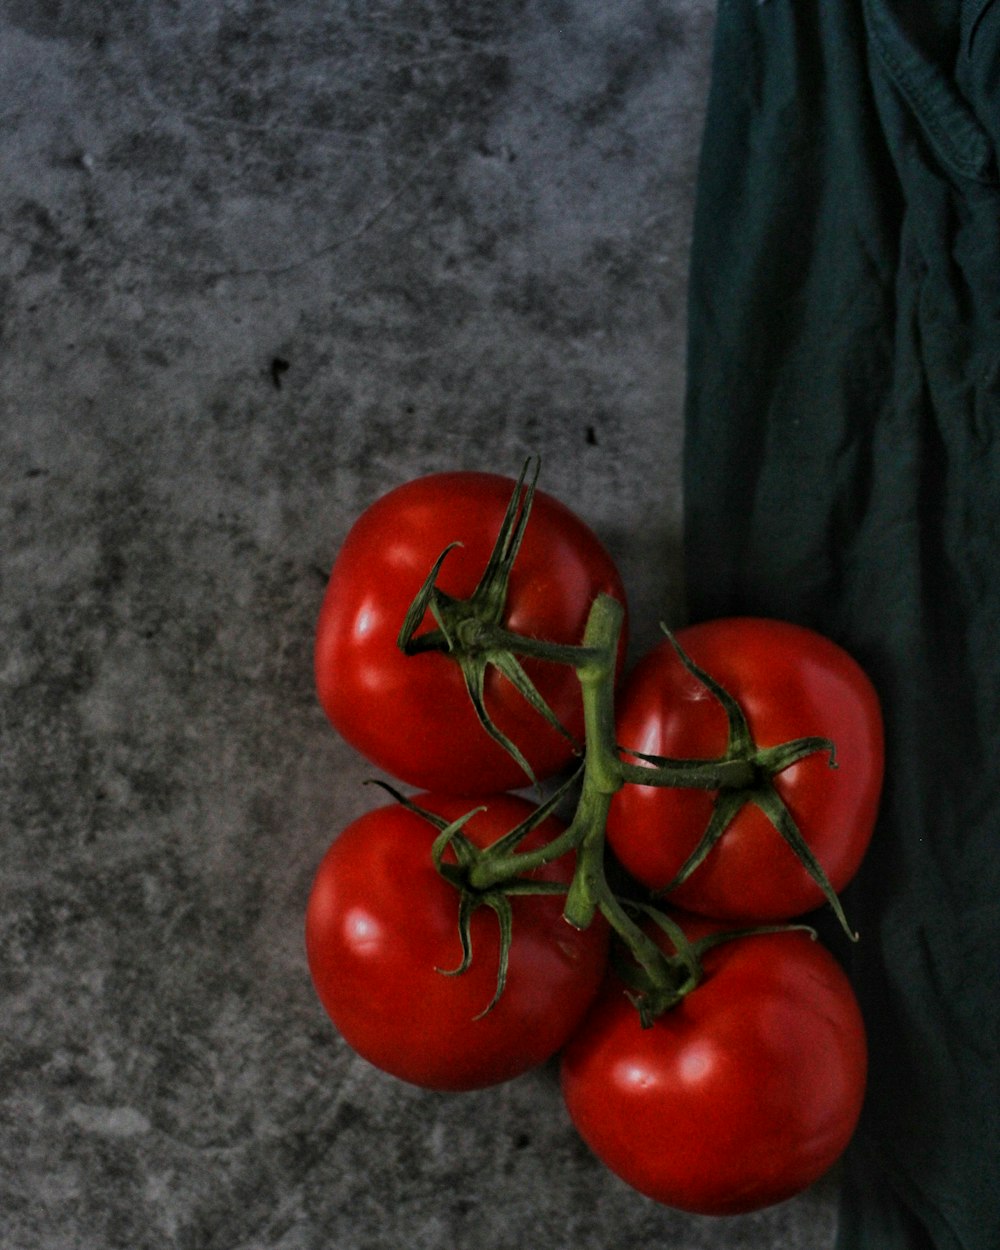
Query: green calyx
x=472, y=633
x=750, y=780
x=459, y=873
x=657, y=990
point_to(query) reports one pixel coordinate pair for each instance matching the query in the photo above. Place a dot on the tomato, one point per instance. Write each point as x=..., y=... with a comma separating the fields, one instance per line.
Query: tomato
x=412, y=715
x=740, y=1096
x=791, y=682
x=381, y=921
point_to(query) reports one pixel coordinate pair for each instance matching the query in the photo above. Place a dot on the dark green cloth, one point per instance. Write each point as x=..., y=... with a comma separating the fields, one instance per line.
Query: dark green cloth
x=842, y=469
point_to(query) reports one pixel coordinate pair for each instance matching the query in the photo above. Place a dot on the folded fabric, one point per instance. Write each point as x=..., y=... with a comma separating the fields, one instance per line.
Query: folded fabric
x=842, y=470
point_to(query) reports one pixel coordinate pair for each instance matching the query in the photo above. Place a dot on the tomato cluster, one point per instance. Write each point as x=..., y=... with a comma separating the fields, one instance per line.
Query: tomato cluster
x=470, y=643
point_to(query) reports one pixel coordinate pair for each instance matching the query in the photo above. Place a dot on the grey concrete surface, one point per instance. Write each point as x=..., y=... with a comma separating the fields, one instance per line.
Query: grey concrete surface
x=260, y=262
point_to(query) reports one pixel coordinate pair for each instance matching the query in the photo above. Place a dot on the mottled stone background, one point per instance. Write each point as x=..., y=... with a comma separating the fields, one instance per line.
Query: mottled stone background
x=262, y=260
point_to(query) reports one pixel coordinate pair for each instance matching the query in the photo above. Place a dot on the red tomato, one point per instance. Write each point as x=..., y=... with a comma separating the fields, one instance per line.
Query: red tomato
x=412, y=715
x=791, y=682
x=740, y=1096
x=381, y=920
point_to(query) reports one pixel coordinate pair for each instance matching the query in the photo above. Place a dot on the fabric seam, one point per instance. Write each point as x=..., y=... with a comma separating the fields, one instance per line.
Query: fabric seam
x=928, y=109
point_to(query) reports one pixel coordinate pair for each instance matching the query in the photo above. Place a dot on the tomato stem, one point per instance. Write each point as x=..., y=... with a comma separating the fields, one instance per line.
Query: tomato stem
x=664, y=979
x=604, y=774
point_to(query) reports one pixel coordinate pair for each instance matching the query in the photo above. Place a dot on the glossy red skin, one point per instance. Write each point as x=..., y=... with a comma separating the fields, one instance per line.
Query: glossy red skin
x=739, y=1097
x=411, y=715
x=381, y=920
x=791, y=683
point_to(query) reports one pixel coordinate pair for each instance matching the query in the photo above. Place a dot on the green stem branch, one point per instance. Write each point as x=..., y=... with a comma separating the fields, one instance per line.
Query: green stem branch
x=604, y=774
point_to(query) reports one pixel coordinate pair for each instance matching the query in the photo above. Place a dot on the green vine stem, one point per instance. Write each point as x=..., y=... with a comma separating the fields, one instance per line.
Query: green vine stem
x=603, y=775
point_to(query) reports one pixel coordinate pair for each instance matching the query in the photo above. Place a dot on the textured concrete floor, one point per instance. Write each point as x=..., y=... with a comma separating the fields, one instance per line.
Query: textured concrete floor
x=260, y=262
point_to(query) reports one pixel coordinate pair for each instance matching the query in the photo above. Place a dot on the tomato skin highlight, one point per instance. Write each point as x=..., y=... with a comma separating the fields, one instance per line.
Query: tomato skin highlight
x=791, y=682
x=411, y=715
x=739, y=1097
x=381, y=920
